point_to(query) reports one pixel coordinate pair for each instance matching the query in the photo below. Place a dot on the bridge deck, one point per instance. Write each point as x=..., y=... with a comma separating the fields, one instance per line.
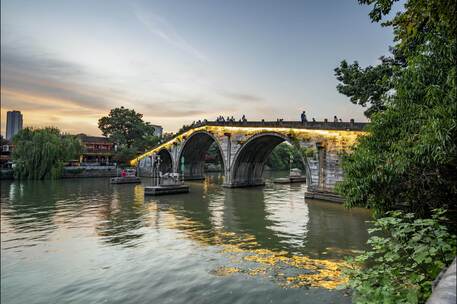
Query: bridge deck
x=313, y=125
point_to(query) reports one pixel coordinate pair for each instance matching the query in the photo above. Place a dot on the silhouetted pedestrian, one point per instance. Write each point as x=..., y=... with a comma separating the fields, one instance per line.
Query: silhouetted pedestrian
x=303, y=117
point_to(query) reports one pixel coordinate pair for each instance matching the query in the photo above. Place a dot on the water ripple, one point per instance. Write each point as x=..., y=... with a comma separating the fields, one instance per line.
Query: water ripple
x=87, y=241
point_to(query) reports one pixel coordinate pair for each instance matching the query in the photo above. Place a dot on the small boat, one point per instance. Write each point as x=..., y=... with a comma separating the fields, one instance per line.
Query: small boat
x=127, y=177
x=125, y=180
x=161, y=190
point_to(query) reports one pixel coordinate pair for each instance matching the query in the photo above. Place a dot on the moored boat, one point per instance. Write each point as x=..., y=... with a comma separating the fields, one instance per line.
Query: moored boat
x=128, y=176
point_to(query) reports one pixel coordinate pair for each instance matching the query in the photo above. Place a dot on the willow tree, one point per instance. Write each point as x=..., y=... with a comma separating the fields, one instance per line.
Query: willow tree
x=42, y=153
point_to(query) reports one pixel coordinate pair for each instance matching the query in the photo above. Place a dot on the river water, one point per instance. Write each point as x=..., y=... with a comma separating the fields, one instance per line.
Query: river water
x=86, y=241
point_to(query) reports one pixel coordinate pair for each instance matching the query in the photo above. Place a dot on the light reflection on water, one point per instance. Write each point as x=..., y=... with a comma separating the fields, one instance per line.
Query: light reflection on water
x=84, y=240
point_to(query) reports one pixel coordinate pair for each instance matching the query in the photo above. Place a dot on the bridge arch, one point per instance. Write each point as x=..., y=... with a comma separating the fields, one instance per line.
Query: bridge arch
x=249, y=161
x=166, y=161
x=194, y=150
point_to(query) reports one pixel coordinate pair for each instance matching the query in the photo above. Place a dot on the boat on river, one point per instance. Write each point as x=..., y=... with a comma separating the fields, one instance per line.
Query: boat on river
x=127, y=177
x=125, y=180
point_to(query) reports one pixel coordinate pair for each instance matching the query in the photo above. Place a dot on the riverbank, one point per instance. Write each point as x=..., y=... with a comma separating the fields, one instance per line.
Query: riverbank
x=90, y=172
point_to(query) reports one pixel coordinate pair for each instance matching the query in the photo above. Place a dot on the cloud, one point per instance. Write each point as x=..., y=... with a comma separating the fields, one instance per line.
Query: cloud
x=180, y=108
x=36, y=61
x=159, y=27
x=53, y=91
x=50, y=81
x=242, y=96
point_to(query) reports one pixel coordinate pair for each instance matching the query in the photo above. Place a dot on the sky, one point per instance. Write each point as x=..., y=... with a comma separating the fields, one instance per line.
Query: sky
x=67, y=63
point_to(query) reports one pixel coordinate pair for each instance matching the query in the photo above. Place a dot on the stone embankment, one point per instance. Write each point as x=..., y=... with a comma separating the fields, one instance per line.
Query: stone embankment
x=90, y=171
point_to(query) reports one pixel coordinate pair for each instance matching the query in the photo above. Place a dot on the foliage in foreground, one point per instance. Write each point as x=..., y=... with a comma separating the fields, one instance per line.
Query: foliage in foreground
x=405, y=257
x=42, y=153
x=409, y=157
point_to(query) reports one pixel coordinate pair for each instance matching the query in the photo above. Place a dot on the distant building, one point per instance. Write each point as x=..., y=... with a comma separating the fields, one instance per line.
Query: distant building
x=6, y=150
x=157, y=130
x=13, y=123
x=96, y=150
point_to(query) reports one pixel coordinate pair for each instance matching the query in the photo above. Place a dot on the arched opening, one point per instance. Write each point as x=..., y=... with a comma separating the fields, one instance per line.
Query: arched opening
x=286, y=156
x=200, y=152
x=166, y=163
x=250, y=160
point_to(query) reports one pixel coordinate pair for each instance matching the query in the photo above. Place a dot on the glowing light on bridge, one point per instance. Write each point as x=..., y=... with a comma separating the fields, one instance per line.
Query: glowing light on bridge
x=341, y=137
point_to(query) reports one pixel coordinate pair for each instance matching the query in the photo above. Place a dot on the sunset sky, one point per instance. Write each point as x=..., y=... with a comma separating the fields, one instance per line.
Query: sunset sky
x=67, y=63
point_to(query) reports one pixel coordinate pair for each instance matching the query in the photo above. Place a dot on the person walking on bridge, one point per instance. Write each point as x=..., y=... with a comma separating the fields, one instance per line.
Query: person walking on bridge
x=303, y=116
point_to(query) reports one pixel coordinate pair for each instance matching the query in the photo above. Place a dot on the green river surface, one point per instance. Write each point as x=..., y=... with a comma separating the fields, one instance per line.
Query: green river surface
x=86, y=241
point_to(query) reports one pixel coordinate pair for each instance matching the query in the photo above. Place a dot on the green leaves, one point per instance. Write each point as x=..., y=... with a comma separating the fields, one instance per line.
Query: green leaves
x=41, y=153
x=280, y=157
x=406, y=255
x=409, y=158
x=366, y=86
x=127, y=129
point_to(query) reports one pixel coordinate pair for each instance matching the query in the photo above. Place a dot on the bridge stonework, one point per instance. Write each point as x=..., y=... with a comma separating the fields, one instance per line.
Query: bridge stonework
x=245, y=147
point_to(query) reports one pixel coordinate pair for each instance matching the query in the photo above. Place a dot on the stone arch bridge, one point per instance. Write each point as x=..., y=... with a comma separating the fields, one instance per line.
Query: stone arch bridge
x=244, y=148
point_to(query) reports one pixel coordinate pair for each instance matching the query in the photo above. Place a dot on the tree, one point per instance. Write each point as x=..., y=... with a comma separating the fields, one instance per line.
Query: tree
x=279, y=158
x=3, y=141
x=409, y=157
x=42, y=153
x=124, y=126
x=145, y=142
x=127, y=129
x=412, y=28
x=124, y=154
x=369, y=85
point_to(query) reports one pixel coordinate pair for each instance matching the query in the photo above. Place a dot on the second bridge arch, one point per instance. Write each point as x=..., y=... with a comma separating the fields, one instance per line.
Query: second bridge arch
x=193, y=155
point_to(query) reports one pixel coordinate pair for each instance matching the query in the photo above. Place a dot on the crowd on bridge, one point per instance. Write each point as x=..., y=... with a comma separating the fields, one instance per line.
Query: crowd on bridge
x=230, y=119
x=304, y=119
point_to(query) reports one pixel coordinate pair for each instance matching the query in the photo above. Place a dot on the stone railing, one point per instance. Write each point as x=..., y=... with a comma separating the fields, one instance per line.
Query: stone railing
x=314, y=125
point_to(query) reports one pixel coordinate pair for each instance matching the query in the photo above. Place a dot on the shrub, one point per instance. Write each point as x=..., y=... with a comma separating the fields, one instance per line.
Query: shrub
x=405, y=257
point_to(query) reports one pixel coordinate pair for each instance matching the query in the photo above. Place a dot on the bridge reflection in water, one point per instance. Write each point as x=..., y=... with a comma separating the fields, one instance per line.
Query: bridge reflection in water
x=269, y=231
x=276, y=216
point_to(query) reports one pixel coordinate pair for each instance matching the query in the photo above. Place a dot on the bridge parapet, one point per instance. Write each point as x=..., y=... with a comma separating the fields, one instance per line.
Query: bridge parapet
x=311, y=125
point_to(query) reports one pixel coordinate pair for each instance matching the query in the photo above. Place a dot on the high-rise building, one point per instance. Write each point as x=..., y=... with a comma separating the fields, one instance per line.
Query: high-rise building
x=13, y=123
